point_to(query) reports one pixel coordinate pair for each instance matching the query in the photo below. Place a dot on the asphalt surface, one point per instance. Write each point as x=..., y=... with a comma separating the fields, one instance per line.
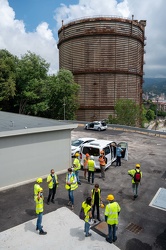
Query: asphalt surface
x=149, y=233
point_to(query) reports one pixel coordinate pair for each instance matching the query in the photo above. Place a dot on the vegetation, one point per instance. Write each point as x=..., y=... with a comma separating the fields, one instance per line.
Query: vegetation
x=127, y=113
x=26, y=87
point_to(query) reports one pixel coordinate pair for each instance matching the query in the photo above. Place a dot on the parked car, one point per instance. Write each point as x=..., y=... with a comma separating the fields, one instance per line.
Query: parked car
x=109, y=147
x=76, y=144
x=96, y=125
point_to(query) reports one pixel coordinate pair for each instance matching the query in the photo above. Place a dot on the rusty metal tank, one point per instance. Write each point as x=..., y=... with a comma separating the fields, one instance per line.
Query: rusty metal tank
x=106, y=57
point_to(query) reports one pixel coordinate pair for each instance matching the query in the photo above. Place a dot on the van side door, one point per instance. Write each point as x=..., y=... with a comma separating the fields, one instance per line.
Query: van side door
x=107, y=151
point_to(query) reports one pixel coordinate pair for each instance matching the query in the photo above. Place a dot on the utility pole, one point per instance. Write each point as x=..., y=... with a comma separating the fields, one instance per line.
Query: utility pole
x=157, y=109
x=64, y=104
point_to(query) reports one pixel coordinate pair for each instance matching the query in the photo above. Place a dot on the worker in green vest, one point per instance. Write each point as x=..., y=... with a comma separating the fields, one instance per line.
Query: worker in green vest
x=91, y=168
x=86, y=205
x=39, y=211
x=77, y=166
x=71, y=185
x=112, y=211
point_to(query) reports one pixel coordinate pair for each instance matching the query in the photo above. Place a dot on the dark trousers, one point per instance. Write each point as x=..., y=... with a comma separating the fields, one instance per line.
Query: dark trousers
x=118, y=161
x=93, y=210
x=52, y=192
x=89, y=175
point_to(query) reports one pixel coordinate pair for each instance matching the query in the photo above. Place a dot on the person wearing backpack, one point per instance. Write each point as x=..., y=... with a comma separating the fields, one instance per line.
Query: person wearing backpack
x=136, y=175
x=86, y=205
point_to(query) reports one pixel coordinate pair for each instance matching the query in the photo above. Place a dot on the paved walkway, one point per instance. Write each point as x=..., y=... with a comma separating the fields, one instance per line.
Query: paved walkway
x=62, y=234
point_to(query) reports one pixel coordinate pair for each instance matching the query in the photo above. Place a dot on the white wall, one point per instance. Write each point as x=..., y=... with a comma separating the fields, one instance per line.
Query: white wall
x=28, y=156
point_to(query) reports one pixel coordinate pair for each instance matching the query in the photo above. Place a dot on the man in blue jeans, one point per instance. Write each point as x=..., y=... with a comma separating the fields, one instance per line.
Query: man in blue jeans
x=71, y=185
x=39, y=211
x=119, y=151
x=86, y=205
x=112, y=211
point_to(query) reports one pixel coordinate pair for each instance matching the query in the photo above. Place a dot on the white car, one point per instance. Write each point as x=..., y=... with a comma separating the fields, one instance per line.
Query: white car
x=76, y=144
x=96, y=125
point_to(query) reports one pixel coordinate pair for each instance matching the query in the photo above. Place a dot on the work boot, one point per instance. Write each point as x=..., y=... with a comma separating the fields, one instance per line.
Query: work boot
x=108, y=240
x=87, y=235
x=48, y=203
x=114, y=239
x=42, y=232
x=52, y=201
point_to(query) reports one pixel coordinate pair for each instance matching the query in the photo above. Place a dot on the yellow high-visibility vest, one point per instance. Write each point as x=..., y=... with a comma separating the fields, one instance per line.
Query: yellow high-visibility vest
x=91, y=165
x=51, y=183
x=76, y=164
x=39, y=205
x=73, y=181
x=86, y=208
x=112, y=210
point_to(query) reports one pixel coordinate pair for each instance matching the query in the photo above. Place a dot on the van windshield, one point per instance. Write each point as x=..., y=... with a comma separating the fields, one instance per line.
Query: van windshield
x=91, y=151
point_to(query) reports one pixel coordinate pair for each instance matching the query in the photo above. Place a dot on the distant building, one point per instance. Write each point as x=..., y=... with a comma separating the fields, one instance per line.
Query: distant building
x=106, y=56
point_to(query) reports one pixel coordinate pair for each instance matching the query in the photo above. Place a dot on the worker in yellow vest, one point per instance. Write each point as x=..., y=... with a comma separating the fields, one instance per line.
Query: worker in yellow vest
x=52, y=181
x=112, y=211
x=39, y=211
x=96, y=200
x=86, y=164
x=91, y=168
x=71, y=185
x=86, y=205
x=37, y=187
x=136, y=175
x=77, y=166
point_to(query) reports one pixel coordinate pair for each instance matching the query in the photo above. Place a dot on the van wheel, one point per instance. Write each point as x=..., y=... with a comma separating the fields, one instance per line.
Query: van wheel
x=99, y=129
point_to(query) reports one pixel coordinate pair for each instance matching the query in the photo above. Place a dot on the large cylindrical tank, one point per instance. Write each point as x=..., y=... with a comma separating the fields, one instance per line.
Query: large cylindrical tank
x=106, y=57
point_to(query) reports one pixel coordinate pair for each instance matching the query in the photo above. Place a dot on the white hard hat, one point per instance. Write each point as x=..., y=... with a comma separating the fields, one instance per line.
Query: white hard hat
x=92, y=157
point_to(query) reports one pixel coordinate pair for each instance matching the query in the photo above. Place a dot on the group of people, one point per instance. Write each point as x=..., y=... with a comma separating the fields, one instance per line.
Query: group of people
x=94, y=201
x=112, y=209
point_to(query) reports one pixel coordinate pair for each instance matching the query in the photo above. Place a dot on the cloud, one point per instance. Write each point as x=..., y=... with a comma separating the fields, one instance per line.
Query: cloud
x=152, y=11
x=17, y=41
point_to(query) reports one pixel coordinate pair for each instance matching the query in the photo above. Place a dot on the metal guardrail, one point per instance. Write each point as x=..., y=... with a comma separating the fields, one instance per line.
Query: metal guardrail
x=126, y=128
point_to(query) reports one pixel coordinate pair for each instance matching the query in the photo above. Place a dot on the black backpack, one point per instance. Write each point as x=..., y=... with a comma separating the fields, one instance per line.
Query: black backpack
x=137, y=176
x=82, y=214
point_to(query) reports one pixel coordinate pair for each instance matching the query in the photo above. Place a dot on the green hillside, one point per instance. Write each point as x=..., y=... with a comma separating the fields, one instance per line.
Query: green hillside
x=155, y=85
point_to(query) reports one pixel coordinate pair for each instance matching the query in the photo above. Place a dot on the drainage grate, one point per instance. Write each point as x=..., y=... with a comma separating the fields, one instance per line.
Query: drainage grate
x=134, y=228
x=157, y=171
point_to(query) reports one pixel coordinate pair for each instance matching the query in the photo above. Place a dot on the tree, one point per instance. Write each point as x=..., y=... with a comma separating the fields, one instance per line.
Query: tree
x=63, y=94
x=150, y=115
x=8, y=64
x=127, y=112
x=31, y=85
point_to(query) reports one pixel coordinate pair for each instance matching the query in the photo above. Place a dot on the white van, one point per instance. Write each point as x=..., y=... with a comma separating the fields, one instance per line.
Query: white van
x=109, y=147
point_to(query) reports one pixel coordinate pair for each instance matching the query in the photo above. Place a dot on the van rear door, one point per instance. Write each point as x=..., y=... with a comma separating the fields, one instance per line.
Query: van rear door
x=124, y=146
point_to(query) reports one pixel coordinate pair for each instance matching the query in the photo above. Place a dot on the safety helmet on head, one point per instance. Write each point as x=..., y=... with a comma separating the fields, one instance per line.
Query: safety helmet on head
x=110, y=197
x=92, y=157
x=39, y=180
x=40, y=189
x=137, y=165
x=77, y=154
x=87, y=155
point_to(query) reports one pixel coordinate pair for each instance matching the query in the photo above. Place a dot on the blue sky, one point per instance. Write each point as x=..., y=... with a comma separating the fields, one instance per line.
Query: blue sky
x=34, y=12
x=32, y=25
